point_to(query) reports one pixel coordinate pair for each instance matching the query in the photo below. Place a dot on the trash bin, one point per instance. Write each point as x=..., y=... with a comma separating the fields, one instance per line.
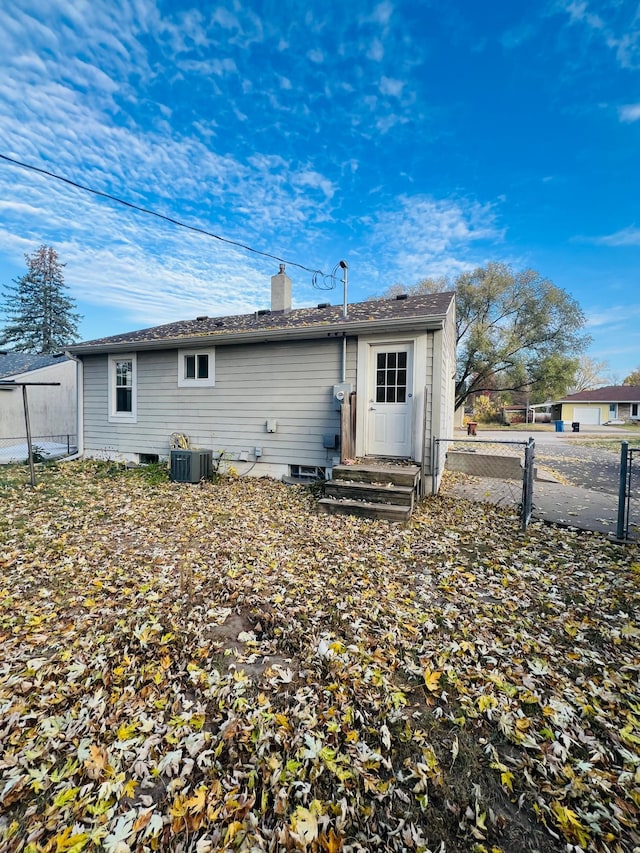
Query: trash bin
x=575, y=426
x=559, y=426
x=471, y=428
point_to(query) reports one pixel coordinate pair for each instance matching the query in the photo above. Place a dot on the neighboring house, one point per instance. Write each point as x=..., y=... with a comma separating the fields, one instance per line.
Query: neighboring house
x=265, y=388
x=600, y=406
x=52, y=409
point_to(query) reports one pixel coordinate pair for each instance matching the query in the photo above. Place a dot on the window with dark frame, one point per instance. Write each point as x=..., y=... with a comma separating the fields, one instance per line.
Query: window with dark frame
x=196, y=366
x=124, y=386
x=391, y=377
x=203, y=365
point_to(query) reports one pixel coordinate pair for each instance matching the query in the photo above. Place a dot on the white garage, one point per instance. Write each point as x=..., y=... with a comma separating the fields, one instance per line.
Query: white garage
x=587, y=414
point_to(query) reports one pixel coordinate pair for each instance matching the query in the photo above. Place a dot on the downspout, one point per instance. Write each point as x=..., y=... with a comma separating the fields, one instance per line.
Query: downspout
x=79, y=408
x=343, y=378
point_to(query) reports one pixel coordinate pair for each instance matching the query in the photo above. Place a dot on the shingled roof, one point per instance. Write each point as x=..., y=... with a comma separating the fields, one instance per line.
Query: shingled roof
x=608, y=394
x=16, y=363
x=422, y=311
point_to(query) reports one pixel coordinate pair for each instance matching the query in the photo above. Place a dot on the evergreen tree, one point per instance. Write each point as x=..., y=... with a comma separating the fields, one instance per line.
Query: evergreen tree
x=40, y=316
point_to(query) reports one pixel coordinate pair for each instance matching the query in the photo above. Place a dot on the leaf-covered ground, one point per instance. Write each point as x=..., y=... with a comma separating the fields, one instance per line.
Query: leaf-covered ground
x=219, y=667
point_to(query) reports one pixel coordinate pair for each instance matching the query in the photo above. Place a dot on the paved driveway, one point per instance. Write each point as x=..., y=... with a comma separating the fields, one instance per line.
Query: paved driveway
x=585, y=494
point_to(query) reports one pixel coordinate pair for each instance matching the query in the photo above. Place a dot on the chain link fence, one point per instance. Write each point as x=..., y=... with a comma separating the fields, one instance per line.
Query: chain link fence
x=499, y=472
x=628, y=498
x=15, y=449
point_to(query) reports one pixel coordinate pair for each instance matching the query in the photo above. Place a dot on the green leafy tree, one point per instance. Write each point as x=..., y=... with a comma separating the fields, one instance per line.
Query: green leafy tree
x=515, y=331
x=633, y=378
x=40, y=316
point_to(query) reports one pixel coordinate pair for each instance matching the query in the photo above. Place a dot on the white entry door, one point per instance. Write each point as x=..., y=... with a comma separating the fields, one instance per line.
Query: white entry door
x=389, y=409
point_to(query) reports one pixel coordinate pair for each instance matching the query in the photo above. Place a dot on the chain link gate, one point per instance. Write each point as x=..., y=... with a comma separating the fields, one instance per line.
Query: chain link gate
x=628, y=511
x=490, y=459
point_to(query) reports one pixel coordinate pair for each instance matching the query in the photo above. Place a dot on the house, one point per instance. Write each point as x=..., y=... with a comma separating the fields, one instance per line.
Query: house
x=600, y=405
x=52, y=410
x=266, y=389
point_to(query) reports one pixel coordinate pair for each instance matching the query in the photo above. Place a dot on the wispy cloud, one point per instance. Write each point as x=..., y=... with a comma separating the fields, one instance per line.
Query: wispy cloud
x=389, y=86
x=616, y=25
x=578, y=11
x=613, y=316
x=629, y=113
x=626, y=237
x=382, y=13
x=375, y=50
x=424, y=236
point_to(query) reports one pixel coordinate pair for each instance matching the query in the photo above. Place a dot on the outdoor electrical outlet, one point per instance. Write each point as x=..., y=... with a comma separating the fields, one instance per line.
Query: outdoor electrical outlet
x=258, y=452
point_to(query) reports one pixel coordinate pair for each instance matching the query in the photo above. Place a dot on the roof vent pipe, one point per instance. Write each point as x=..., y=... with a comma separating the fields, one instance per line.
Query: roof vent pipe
x=281, y=292
x=345, y=274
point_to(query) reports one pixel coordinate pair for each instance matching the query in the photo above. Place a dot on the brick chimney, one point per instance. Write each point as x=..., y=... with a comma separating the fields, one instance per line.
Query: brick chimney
x=281, y=292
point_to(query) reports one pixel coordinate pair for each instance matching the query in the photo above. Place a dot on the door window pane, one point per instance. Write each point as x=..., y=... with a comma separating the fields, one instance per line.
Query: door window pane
x=391, y=377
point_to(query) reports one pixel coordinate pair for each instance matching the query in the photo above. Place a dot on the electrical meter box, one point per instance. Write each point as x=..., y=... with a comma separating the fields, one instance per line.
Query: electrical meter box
x=341, y=392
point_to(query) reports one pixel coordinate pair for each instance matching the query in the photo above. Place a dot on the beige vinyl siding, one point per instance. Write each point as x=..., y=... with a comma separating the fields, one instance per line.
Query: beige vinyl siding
x=426, y=387
x=444, y=369
x=291, y=382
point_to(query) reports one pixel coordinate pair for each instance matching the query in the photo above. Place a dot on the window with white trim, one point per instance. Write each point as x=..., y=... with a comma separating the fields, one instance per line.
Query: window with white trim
x=196, y=368
x=123, y=392
x=634, y=410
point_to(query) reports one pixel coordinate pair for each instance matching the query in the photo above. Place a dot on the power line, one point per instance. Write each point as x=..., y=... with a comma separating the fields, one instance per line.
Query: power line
x=170, y=219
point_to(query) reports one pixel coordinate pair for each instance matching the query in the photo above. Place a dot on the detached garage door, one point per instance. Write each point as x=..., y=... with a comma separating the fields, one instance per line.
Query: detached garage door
x=587, y=414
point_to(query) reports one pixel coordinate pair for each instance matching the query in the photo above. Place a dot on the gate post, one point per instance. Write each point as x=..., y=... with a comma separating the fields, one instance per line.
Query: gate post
x=527, y=482
x=621, y=531
x=435, y=463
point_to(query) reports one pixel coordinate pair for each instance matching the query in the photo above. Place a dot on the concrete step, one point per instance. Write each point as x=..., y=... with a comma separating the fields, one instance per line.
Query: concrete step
x=391, y=512
x=359, y=491
x=399, y=475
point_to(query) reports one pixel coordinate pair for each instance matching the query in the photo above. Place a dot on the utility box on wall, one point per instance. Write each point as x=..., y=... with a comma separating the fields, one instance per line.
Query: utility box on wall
x=341, y=392
x=190, y=466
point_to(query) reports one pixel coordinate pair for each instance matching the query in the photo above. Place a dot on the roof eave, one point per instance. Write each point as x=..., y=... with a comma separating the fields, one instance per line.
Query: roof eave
x=255, y=336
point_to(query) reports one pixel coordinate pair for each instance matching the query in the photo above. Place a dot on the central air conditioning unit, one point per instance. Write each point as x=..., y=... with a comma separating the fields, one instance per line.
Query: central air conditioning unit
x=190, y=466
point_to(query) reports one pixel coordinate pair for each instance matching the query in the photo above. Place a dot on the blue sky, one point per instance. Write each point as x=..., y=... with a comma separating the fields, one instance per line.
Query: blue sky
x=410, y=138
